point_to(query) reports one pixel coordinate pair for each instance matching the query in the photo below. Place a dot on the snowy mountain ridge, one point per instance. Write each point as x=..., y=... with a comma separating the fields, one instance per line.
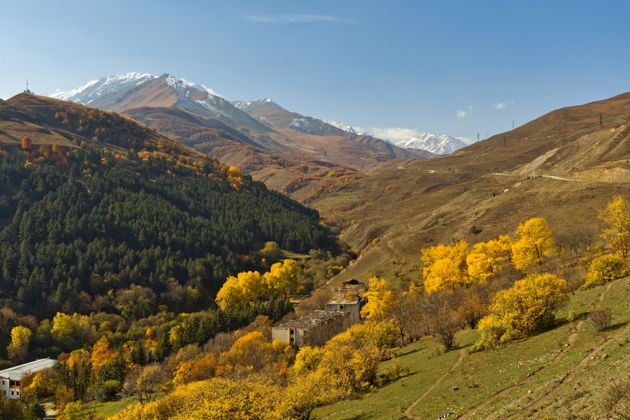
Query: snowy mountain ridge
x=345, y=127
x=95, y=89
x=441, y=144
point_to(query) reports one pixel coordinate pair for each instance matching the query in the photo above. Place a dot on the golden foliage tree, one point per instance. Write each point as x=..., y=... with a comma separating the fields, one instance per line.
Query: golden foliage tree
x=522, y=310
x=307, y=359
x=604, y=269
x=380, y=300
x=444, y=266
x=616, y=233
x=20, y=340
x=252, y=351
x=534, y=245
x=488, y=258
x=195, y=370
x=101, y=355
x=239, y=291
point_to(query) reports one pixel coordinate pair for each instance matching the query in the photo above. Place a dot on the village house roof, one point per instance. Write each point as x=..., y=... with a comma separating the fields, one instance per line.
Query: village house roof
x=352, y=286
x=344, y=299
x=316, y=317
x=17, y=372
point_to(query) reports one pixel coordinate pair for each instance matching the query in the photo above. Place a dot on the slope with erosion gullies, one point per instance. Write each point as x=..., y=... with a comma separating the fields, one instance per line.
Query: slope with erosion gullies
x=489, y=188
x=298, y=175
x=98, y=202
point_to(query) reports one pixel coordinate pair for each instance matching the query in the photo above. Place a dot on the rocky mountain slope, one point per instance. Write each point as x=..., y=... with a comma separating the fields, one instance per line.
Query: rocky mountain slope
x=270, y=113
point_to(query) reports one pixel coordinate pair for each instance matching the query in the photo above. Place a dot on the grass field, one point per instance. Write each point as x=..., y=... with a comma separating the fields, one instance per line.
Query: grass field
x=103, y=410
x=560, y=373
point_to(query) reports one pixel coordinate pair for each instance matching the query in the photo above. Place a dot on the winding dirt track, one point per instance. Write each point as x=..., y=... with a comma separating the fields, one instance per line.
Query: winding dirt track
x=462, y=354
x=569, y=343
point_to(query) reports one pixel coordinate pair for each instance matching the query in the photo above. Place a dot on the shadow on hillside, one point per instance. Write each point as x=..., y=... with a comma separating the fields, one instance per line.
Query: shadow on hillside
x=617, y=326
x=408, y=352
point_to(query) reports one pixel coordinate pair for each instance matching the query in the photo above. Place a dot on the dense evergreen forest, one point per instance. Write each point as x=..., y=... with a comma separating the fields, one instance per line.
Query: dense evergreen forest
x=77, y=236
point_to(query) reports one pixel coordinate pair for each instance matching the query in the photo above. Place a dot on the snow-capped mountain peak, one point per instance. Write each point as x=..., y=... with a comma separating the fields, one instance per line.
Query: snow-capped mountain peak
x=126, y=91
x=183, y=86
x=95, y=89
x=441, y=144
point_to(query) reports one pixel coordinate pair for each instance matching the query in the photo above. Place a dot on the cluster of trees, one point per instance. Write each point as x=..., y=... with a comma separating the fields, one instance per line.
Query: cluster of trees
x=282, y=280
x=255, y=378
x=504, y=287
x=461, y=266
x=72, y=238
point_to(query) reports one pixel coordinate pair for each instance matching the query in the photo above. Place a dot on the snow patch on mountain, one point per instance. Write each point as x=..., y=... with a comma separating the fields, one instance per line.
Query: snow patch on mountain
x=183, y=86
x=95, y=89
x=300, y=124
x=345, y=127
x=246, y=105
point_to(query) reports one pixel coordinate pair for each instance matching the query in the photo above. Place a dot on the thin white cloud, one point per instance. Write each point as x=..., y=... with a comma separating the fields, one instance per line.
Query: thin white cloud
x=463, y=113
x=395, y=134
x=502, y=105
x=296, y=18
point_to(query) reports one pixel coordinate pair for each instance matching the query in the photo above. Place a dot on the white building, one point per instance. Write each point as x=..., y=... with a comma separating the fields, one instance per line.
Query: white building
x=10, y=379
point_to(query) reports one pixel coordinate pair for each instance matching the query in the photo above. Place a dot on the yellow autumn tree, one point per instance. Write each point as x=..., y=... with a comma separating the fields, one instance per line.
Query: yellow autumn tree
x=305, y=394
x=522, y=310
x=616, y=233
x=380, y=299
x=20, y=340
x=307, y=359
x=488, y=258
x=251, y=351
x=239, y=291
x=534, y=245
x=283, y=278
x=604, y=269
x=101, y=355
x=195, y=370
x=251, y=398
x=444, y=267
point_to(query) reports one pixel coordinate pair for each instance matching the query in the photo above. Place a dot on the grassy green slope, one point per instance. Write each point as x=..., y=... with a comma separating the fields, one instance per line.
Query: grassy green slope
x=561, y=373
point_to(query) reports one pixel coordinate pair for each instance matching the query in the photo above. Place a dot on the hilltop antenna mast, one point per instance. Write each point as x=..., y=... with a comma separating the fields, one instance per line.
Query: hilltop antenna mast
x=27, y=89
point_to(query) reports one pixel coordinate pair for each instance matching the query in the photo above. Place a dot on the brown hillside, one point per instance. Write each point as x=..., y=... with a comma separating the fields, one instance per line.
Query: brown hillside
x=562, y=166
x=299, y=175
x=48, y=121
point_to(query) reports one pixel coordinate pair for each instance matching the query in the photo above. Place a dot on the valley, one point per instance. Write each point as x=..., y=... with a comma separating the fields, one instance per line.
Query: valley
x=326, y=210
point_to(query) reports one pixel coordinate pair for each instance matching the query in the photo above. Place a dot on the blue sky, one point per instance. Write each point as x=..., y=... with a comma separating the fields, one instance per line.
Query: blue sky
x=456, y=67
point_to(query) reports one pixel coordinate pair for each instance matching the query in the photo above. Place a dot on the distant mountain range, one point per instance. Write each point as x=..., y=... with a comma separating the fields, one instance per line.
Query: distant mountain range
x=296, y=154
x=440, y=144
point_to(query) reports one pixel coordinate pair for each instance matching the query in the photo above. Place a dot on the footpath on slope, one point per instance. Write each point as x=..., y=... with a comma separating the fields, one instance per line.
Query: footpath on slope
x=462, y=354
x=571, y=339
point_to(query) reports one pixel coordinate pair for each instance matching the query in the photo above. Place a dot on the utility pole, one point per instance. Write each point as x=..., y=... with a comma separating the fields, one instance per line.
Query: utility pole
x=477, y=135
x=601, y=120
x=512, y=124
